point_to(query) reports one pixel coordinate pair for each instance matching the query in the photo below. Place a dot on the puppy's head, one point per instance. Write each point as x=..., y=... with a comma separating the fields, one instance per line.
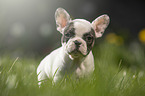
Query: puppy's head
x=78, y=36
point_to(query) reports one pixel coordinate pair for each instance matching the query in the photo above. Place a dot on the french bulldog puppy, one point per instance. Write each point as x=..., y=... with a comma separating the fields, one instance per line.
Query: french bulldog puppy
x=75, y=56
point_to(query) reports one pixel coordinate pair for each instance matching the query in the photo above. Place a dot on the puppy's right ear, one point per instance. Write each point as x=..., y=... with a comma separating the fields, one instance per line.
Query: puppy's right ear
x=100, y=24
x=62, y=19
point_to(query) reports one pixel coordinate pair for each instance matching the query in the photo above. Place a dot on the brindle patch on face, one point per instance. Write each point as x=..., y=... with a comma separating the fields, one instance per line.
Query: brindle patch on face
x=69, y=32
x=90, y=40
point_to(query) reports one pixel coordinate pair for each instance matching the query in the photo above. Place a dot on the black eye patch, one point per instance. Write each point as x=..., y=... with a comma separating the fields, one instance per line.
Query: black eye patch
x=90, y=39
x=69, y=32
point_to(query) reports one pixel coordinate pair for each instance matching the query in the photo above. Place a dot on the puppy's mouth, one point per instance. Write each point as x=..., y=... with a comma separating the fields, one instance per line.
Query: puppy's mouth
x=76, y=53
x=76, y=50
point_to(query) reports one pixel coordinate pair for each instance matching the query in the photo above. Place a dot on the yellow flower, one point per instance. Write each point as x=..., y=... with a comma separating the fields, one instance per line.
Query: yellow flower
x=114, y=39
x=142, y=36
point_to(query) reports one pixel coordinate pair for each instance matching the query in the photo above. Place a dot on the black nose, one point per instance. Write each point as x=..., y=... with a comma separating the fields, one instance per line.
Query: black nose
x=77, y=43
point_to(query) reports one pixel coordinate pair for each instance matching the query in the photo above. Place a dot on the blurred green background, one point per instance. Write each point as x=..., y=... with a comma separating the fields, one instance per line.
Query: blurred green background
x=28, y=33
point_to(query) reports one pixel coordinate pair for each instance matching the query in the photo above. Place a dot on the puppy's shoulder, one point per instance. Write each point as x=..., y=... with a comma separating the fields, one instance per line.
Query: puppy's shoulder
x=52, y=55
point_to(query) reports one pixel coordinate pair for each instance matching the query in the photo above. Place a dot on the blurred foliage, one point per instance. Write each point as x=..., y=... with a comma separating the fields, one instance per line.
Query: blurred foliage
x=142, y=36
x=119, y=71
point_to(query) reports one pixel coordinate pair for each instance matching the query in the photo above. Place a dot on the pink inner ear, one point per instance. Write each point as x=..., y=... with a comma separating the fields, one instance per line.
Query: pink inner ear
x=62, y=21
x=98, y=23
x=97, y=29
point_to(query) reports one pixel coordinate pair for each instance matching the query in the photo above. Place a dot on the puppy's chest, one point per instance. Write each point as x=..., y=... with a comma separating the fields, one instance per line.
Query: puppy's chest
x=75, y=68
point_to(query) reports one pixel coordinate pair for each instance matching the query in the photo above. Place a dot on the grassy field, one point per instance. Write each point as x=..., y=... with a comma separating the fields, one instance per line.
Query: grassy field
x=119, y=71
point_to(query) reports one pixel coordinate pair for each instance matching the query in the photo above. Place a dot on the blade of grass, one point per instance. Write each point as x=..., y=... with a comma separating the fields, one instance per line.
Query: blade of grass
x=13, y=64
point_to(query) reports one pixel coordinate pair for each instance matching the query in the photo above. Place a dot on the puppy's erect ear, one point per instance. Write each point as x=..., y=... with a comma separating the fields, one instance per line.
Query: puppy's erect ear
x=100, y=24
x=62, y=18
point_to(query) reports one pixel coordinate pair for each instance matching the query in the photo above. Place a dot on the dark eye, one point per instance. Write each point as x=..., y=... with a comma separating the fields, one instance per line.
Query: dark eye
x=89, y=39
x=68, y=35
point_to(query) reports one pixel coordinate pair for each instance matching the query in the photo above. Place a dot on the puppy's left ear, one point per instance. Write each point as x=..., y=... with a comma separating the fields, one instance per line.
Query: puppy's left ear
x=62, y=18
x=100, y=24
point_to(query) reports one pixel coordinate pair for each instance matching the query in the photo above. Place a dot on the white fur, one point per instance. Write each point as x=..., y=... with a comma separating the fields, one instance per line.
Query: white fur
x=58, y=63
x=82, y=26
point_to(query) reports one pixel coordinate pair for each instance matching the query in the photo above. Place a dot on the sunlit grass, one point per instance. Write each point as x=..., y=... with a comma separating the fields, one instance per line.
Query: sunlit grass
x=118, y=72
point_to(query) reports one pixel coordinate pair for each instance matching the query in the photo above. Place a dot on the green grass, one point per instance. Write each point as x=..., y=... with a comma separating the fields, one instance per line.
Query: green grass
x=119, y=71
